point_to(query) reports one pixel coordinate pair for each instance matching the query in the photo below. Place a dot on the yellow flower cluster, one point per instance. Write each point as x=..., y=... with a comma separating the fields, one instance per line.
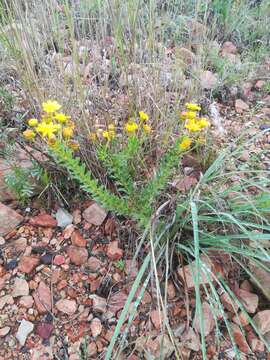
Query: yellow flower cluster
x=53, y=124
x=193, y=123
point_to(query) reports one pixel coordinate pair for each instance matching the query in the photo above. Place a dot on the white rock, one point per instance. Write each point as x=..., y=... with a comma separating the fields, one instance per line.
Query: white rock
x=63, y=217
x=20, y=288
x=25, y=328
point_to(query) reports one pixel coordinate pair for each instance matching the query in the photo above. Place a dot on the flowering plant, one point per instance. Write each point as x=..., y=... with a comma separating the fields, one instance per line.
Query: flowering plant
x=57, y=130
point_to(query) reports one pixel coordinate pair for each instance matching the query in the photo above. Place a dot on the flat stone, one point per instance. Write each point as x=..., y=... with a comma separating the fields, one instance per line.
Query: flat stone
x=43, y=220
x=26, y=301
x=117, y=301
x=157, y=318
x=208, y=80
x=27, y=264
x=94, y=264
x=96, y=327
x=66, y=306
x=188, y=273
x=263, y=280
x=229, y=303
x=4, y=331
x=78, y=255
x=262, y=321
x=241, y=106
x=42, y=298
x=114, y=252
x=19, y=245
x=44, y=330
x=209, y=321
x=99, y=304
x=59, y=260
x=94, y=214
x=9, y=219
x=228, y=48
x=63, y=218
x=240, y=319
x=249, y=300
x=6, y=299
x=240, y=339
x=191, y=340
x=25, y=328
x=77, y=239
x=20, y=288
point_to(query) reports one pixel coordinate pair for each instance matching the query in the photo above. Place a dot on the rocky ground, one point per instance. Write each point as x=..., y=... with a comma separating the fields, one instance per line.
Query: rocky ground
x=65, y=276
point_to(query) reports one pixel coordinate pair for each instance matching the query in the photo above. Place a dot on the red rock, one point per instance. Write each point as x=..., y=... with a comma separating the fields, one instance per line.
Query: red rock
x=44, y=330
x=241, y=319
x=59, y=260
x=77, y=239
x=171, y=290
x=94, y=264
x=28, y=264
x=99, y=304
x=241, y=106
x=4, y=331
x=228, y=303
x=262, y=321
x=228, y=48
x=256, y=345
x=249, y=300
x=78, y=255
x=246, y=286
x=186, y=183
x=92, y=350
x=20, y=288
x=26, y=301
x=66, y=306
x=19, y=245
x=240, y=339
x=209, y=321
x=247, y=90
x=131, y=268
x=68, y=231
x=259, y=84
x=157, y=318
x=113, y=251
x=96, y=327
x=188, y=272
x=9, y=219
x=77, y=217
x=94, y=214
x=62, y=284
x=191, y=340
x=44, y=220
x=42, y=298
x=117, y=301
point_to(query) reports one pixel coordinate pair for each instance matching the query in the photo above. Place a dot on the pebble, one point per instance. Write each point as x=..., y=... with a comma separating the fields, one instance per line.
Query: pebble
x=25, y=328
x=114, y=252
x=42, y=298
x=66, y=306
x=59, y=260
x=4, y=331
x=96, y=327
x=99, y=303
x=94, y=214
x=77, y=239
x=11, y=265
x=28, y=264
x=44, y=329
x=44, y=220
x=78, y=255
x=63, y=218
x=46, y=259
x=20, y=288
x=26, y=301
x=94, y=264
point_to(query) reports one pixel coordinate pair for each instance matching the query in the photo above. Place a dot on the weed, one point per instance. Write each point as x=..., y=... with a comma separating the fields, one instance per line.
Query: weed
x=120, y=264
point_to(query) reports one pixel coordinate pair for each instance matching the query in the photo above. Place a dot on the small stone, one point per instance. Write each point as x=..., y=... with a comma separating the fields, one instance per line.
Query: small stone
x=240, y=319
x=59, y=260
x=63, y=218
x=25, y=328
x=241, y=106
x=228, y=303
x=209, y=321
x=245, y=285
x=261, y=279
x=77, y=216
x=185, y=55
x=9, y=219
x=20, y=288
x=228, y=48
x=26, y=301
x=259, y=84
x=94, y=214
x=42, y=298
x=46, y=259
x=208, y=80
x=99, y=304
x=27, y=264
x=240, y=339
x=12, y=264
x=4, y=331
x=92, y=350
x=191, y=340
x=44, y=330
x=66, y=306
x=249, y=300
x=114, y=252
x=171, y=290
x=94, y=264
x=67, y=232
x=44, y=220
x=188, y=272
x=6, y=299
x=262, y=321
x=256, y=345
x=78, y=255
x=157, y=318
x=117, y=301
x=77, y=239
x=96, y=327
x=244, y=156
x=20, y=244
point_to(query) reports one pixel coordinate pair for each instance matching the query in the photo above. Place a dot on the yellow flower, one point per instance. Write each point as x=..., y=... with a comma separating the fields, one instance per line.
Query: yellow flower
x=188, y=115
x=106, y=134
x=147, y=128
x=92, y=136
x=191, y=106
x=185, y=143
x=51, y=106
x=46, y=118
x=61, y=117
x=131, y=127
x=29, y=134
x=192, y=125
x=111, y=127
x=47, y=129
x=74, y=145
x=32, y=122
x=67, y=132
x=143, y=116
x=203, y=122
